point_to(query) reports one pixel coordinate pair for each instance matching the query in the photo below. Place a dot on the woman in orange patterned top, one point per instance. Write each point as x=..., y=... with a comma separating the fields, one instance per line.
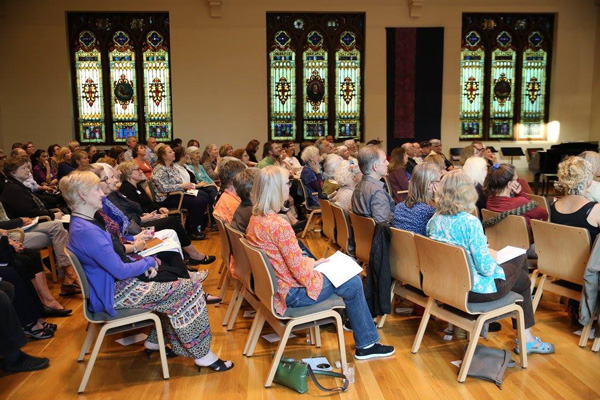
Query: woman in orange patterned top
x=299, y=285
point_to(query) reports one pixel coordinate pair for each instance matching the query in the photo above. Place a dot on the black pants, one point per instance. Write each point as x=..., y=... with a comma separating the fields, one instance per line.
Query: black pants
x=12, y=337
x=196, y=207
x=517, y=280
x=26, y=301
x=172, y=267
x=171, y=223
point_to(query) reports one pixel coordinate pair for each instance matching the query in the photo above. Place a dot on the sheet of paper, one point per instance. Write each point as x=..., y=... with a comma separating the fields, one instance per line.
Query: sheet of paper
x=273, y=337
x=315, y=361
x=65, y=219
x=508, y=253
x=166, y=245
x=340, y=268
x=32, y=224
x=192, y=192
x=126, y=341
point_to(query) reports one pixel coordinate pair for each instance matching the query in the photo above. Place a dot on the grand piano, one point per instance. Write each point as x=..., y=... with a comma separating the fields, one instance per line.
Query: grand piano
x=546, y=162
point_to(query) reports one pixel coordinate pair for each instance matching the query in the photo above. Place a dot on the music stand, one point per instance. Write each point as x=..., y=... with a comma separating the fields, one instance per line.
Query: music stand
x=512, y=152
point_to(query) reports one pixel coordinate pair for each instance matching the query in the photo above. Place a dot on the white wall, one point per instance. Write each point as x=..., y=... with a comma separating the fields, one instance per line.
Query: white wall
x=219, y=64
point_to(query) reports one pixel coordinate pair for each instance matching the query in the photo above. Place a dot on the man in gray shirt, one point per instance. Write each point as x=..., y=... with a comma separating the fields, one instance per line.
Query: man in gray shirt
x=370, y=198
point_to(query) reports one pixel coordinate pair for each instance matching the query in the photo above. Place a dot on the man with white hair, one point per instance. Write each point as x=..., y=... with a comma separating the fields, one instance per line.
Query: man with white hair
x=131, y=143
x=150, y=154
x=353, y=149
x=436, y=145
x=410, y=152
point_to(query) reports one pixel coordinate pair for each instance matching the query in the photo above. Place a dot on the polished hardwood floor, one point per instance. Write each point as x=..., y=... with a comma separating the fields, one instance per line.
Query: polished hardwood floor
x=124, y=372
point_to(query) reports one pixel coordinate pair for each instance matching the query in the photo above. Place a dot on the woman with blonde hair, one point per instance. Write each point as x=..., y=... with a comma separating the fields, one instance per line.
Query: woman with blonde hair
x=300, y=285
x=311, y=176
x=453, y=223
x=63, y=159
x=210, y=161
x=592, y=193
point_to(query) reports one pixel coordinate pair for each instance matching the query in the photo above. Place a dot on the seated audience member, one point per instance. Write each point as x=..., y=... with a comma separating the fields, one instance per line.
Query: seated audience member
x=117, y=153
x=352, y=148
x=226, y=150
x=271, y=154
x=343, y=152
x=193, y=142
x=91, y=150
x=73, y=145
x=53, y=151
x=592, y=193
x=574, y=209
x=177, y=142
x=150, y=151
x=325, y=147
x=119, y=282
x=242, y=184
x=413, y=213
x=299, y=284
x=311, y=176
x=489, y=156
x=453, y=224
x=166, y=179
x=330, y=165
x=410, y=160
x=436, y=159
x=370, y=199
x=210, y=161
x=425, y=148
x=138, y=154
x=29, y=149
x=131, y=143
x=466, y=153
x=347, y=175
x=478, y=149
x=99, y=154
x=288, y=158
x=64, y=162
x=436, y=146
x=398, y=176
x=80, y=158
x=505, y=196
x=251, y=149
x=476, y=168
x=229, y=200
x=418, y=152
x=187, y=176
x=42, y=172
x=12, y=337
x=242, y=155
x=204, y=183
x=107, y=160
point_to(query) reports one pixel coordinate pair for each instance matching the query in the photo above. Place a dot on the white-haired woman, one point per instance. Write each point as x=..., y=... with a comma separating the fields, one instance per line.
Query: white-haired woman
x=311, y=175
x=299, y=284
x=120, y=282
x=330, y=165
x=592, y=193
x=476, y=168
x=453, y=223
x=347, y=176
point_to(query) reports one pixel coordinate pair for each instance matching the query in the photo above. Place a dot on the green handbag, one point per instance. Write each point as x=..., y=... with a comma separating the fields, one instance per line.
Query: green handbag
x=294, y=374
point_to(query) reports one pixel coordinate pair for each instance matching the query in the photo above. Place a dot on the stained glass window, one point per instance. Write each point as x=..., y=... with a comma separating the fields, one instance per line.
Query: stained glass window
x=504, y=76
x=121, y=76
x=90, y=97
x=315, y=75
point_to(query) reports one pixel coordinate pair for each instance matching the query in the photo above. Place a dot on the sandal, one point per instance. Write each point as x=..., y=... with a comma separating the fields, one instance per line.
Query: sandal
x=39, y=333
x=536, y=347
x=218, y=366
x=210, y=299
x=49, y=326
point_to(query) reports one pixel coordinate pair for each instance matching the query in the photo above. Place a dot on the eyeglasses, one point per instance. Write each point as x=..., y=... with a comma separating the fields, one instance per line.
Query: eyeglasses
x=104, y=180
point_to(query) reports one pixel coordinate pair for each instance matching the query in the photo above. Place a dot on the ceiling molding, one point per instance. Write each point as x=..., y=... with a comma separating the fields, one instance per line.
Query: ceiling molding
x=215, y=8
x=415, y=8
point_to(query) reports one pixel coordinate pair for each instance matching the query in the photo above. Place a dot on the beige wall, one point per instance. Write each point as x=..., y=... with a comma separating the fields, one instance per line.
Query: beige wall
x=219, y=64
x=595, y=114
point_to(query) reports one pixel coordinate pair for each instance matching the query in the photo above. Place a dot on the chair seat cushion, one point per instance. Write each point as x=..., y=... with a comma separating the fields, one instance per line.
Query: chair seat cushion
x=481, y=308
x=121, y=313
x=334, y=301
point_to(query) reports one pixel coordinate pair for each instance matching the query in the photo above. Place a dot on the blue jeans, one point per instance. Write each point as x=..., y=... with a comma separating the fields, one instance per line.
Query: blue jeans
x=365, y=333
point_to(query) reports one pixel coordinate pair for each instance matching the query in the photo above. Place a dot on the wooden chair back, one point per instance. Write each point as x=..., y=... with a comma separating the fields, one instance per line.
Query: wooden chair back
x=446, y=272
x=563, y=251
x=306, y=195
x=344, y=233
x=225, y=244
x=243, y=270
x=404, y=258
x=329, y=228
x=511, y=231
x=388, y=186
x=363, y=228
x=541, y=200
x=265, y=282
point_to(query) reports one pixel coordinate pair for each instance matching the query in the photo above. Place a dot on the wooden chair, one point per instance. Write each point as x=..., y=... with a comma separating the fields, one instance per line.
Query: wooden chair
x=563, y=252
x=265, y=287
x=388, y=187
x=329, y=226
x=225, y=278
x=511, y=231
x=542, y=202
x=404, y=267
x=126, y=319
x=181, y=212
x=344, y=233
x=314, y=212
x=363, y=228
x=447, y=279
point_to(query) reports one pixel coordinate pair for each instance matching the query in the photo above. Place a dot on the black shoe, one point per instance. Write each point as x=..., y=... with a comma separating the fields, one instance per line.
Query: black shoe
x=205, y=261
x=213, y=300
x=376, y=351
x=218, y=366
x=55, y=312
x=299, y=226
x=25, y=362
x=196, y=235
x=494, y=327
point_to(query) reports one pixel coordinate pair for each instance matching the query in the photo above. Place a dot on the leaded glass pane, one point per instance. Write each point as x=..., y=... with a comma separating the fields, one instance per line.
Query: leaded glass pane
x=282, y=64
x=122, y=85
x=88, y=71
x=502, y=88
x=315, y=90
x=157, y=88
x=533, y=97
x=347, y=78
x=471, y=81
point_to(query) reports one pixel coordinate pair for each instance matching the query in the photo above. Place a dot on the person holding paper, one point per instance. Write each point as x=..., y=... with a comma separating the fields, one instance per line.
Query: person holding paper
x=299, y=284
x=118, y=284
x=453, y=223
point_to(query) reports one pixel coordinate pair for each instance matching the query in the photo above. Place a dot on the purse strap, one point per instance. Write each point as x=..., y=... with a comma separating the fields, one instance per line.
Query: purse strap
x=343, y=388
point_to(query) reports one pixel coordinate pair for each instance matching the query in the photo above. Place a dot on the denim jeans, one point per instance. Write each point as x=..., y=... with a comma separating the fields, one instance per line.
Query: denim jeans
x=365, y=333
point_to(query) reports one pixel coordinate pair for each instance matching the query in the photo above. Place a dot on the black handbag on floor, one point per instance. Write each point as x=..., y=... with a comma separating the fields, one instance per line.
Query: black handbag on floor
x=294, y=374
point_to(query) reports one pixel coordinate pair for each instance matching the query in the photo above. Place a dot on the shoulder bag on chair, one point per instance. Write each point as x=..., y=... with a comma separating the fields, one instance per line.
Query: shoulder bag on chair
x=294, y=374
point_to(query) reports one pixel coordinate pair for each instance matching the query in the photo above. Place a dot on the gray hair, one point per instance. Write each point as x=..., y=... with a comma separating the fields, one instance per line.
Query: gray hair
x=191, y=150
x=349, y=142
x=332, y=162
x=476, y=169
x=344, y=174
x=594, y=159
x=309, y=152
x=367, y=157
x=340, y=150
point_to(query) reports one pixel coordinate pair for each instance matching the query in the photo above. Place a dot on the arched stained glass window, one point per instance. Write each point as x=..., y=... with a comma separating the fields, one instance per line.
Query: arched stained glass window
x=315, y=91
x=533, y=88
x=122, y=87
x=157, y=87
x=471, y=84
x=347, y=77
x=283, y=88
x=90, y=97
x=502, y=88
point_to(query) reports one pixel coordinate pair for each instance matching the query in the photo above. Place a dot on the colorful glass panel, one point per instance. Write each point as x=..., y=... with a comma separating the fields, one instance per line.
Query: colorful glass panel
x=502, y=90
x=157, y=89
x=315, y=89
x=471, y=86
x=282, y=88
x=88, y=71
x=348, y=85
x=122, y=88
x=533, y=97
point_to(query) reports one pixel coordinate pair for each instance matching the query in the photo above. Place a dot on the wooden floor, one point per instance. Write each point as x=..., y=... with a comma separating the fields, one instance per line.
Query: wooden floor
x=124, y=372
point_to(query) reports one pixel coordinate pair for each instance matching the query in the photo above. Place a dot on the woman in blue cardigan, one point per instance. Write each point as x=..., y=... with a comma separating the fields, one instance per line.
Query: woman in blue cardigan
x=118, y=282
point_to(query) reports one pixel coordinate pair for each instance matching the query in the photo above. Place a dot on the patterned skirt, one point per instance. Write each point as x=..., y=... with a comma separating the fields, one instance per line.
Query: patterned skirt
x=181, y=307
